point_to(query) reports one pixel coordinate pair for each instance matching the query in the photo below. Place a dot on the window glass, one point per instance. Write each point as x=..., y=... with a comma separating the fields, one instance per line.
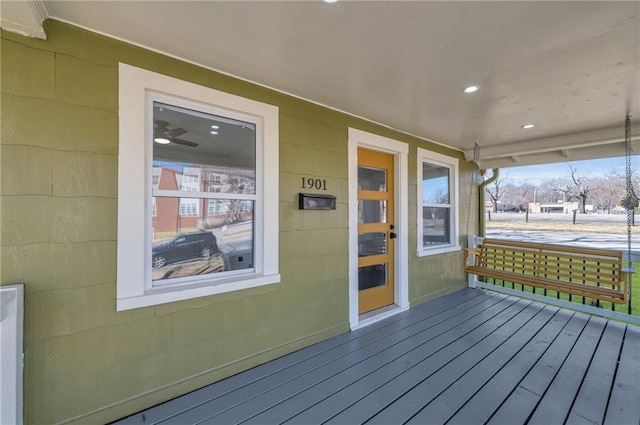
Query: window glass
x=372, y=179
x=205, y=151
x=436, y=215
x=370, y=211
x=437, y=203
x=372, y=276
x=436, y=223
x=372, y=244
x=435, y=184
x=210, y=157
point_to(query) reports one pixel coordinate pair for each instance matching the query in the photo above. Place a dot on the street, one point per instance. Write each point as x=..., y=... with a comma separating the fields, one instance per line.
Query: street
x=576, y=238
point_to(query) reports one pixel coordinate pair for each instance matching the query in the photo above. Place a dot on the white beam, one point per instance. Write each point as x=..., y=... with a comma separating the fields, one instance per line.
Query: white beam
x=610, y=150
x=568, y=142
x=24, y=17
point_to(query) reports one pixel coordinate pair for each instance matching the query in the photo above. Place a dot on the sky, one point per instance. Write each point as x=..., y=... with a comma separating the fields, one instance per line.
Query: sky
x=590, y=168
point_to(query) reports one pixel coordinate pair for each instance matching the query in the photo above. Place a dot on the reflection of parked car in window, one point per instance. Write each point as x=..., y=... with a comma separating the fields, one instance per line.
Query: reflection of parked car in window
x=184, y=246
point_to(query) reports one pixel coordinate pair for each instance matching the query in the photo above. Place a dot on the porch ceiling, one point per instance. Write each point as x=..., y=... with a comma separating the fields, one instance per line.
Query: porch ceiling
x=570, y=68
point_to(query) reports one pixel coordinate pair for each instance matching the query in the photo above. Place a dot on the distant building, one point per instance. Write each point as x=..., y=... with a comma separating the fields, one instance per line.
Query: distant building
x=557, y=207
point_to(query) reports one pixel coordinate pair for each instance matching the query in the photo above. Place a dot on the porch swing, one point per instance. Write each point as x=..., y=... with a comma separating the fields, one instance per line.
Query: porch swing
x=595, y=274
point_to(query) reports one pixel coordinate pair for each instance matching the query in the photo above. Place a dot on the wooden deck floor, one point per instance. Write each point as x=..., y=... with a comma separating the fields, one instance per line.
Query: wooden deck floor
x=467, y=358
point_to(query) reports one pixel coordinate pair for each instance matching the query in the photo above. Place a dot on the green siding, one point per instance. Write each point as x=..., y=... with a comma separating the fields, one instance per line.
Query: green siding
x=83, y=360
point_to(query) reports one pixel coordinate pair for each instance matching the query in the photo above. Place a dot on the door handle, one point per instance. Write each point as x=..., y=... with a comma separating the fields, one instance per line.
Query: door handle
x=393, y=235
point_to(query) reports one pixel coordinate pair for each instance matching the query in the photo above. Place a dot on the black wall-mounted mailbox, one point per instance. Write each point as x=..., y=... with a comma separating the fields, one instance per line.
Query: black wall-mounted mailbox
x=307, y=201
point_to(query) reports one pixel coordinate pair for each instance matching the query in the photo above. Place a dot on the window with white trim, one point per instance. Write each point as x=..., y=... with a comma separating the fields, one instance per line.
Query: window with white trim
x=178, y=238
x=217, y=207
x=437, y=203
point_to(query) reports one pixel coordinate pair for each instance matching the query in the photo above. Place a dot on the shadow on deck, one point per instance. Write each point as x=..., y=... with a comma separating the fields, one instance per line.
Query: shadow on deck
x=473, y=356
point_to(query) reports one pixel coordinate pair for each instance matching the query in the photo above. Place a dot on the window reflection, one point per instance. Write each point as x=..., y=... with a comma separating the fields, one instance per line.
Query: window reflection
x=372, y=179
x=436, y=225
x=372, y=244
x=372, y=276
x=435, y=184
x=223, y=238
x=204, y=191
x=372, y=211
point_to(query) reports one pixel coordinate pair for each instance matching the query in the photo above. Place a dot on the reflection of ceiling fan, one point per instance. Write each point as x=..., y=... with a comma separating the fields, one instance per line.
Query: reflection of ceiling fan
x=161, y=131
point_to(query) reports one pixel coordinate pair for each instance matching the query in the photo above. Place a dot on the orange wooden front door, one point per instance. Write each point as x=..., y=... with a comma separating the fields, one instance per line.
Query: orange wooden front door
x=375, y=230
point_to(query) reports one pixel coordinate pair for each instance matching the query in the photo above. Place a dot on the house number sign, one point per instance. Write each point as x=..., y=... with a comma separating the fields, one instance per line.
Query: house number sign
x=315, y=201
x=311, y=183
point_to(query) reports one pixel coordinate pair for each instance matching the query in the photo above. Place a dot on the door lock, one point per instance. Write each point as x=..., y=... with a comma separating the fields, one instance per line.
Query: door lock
x=393, y=235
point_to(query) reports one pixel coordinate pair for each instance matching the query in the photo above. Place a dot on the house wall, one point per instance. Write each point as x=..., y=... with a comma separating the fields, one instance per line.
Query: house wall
x=84, y=361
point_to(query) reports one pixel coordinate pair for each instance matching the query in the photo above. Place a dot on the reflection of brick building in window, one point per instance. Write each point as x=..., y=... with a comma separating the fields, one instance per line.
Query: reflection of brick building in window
x=168, y=219
x=177, y=215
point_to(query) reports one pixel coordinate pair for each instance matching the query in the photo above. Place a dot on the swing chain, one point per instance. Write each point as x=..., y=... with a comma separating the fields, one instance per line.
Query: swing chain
x=630, y=202
x=474, y=181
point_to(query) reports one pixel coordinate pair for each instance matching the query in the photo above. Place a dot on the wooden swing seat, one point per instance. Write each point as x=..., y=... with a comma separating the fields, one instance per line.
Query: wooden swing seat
x=592, y=273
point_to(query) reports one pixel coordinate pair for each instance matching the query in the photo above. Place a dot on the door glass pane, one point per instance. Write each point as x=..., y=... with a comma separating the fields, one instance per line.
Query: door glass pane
x=372, y=276
x=372, y=211
x=372, y=179
x=435, y=184
x=372, y=244
x=436, y=225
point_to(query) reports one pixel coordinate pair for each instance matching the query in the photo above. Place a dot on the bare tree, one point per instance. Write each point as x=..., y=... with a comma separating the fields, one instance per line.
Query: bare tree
x=574, y=187
x=547, y=191
x=582, y=188
x=519, y=195
x=607, y=191
x=495, y=192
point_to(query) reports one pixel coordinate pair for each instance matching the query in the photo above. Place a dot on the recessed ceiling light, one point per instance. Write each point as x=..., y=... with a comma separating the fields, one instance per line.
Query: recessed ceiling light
x=470, y=89
x=527, y=126
x=213, y=132
x=215, y=127
x=329, y=1
x=162, y=140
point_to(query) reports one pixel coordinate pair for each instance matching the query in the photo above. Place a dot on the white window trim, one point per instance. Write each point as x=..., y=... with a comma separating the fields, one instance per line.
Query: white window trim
x=134, y=191
x=452, y=164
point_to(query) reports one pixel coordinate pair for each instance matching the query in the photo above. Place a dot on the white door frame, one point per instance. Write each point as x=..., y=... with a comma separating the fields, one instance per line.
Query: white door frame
x=400, y=151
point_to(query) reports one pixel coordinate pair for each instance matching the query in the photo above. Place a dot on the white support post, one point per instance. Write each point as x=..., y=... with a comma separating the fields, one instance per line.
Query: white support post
x=473, y=242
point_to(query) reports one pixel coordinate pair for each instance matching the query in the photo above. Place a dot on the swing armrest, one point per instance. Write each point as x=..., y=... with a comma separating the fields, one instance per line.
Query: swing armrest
x=471, y=254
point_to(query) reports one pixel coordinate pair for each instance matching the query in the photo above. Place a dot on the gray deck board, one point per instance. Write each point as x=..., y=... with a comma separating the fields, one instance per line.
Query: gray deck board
x=174, y=407
x=624, y=404
x=265, y=393
x=338, y=401
x=521, y=327
x=558, y=399
x=473, y=356
x=496, y=374
x=312, y=367
x=375, y=369
x=377, y=400
x=591, y=402
x=518, y=405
